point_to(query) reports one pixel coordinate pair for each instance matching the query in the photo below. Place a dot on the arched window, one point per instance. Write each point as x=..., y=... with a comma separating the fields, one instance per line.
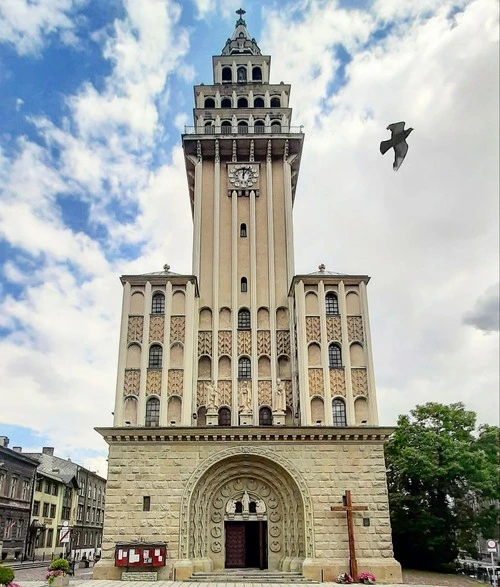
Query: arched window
x=242, y=75
x=244, y=285
x=334, y=356
x=244, y=368
x=243, y=230
x=275, y=126
x=331, y=304
x=242, y=127
x=209, y=128
x=244, y=319
x=155, y=356
x=256, y=74
x=259, y=126
x=153, y=412
x=265, y=417
x=238, y=507
x=226, y=127
x=275, y=102
x=258, y=102
x=158, y=304
x=209, y=103
x=227, y=75
x=226, y=103
x=338, y=412
x=224, y=417
x=242, y=103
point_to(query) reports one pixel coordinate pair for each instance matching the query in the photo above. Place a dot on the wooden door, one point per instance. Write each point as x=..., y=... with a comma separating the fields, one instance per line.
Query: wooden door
x=235, y=545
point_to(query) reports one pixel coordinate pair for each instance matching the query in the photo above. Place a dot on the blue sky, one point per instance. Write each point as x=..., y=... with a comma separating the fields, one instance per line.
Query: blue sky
x=93, y=98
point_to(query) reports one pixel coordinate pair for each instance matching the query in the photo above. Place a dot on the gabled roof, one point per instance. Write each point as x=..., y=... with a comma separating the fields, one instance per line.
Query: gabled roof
x=56, y=468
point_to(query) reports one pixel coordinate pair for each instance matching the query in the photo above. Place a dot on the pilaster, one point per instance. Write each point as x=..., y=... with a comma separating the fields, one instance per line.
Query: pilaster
x=122, y=356
x=346, y=356
x=141, y=407
x=372, y=394
x=324, y=355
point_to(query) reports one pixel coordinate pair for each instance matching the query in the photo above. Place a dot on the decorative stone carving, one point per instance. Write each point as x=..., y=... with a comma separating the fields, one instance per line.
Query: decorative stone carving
x=201, y=394
x=355, y=328
x=204, y=343
x=359, y=380
x=135, y=328
x=264, y=342
x=245, y=397
x=337, y=382
x=333, y=328
x=132, y=382
x=265, y=393
x=156, y=328
x=279, y=404
x=153, y=382
x=177, y=329
x=175, y=382
x=289, y=393
x=217, y=153
x=225, y=392
x=225, y=342
x=244, y=342
x=212, y=396
x=283, y=342
x=313, y=328
x=316, y=382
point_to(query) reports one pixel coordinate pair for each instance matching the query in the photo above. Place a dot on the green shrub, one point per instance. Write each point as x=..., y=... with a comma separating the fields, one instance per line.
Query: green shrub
x=59, y=564
x=6, y=575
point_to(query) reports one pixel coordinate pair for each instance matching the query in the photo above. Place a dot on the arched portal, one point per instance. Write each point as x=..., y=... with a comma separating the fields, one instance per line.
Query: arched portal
x=273, y=531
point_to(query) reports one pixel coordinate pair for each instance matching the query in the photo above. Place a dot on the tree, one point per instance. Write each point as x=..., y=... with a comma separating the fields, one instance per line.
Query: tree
x=439, y=475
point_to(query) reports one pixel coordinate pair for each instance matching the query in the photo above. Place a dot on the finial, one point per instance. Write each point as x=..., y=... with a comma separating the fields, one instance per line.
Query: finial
x=166, y=267
x=240, y=12
x=322, y=267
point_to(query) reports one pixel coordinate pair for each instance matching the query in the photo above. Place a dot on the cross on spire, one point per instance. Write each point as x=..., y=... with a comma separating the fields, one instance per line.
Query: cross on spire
x=241, y=12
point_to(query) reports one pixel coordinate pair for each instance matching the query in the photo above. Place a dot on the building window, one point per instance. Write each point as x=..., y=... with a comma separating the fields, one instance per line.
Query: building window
x=224, y=417
x=275, y=102
x=244, y=368
x=52, y=510
x=258, y=102
x=7, y=532
x=80, y=513
x=243, y=230
x=334, y=356
x=226, y=103
x=87, y=517
x=265, y=417
x=242, y=103
x=242, y=75
x=244, y=319
x=227, y=75
x=155, y=357
x=243, y=127
x=38, y=484
x=45, y=510
x=209, y=128
x=36, y=508
x=89, y=491
x=146, y=503
x=275, y=126
x=25, y=494
x=331, y=304
x=19, y=528
x=338, y=411
x=55, y=489
x=13, y=487
x=209, y=103
x=153, y=412
x=256, y=74
x=50, y=538
x=158, y=304
x=226, y=128
x=244, y=285
x=48, y=487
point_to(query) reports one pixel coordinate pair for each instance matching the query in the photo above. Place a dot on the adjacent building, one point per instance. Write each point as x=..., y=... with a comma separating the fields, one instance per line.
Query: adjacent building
x=17, y=477
x=246, y=402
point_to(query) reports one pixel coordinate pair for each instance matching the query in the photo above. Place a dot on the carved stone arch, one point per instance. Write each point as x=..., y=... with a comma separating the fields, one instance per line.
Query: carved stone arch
x=276, y=463
x=224, y=367
x=205, y=318
x=314, y=355
x=284, y=367
x=357, y=355
x=178, y=302
x=282, y=317
x=312, y=306
x=133, y=360
x=224, y=318
x=264, y=366
x=317, y=410
x=361, y=412
x=352, y=303
x=204, y=367
x=130, y=410
x=137, y=303
x=177, y=355
x=174, y=410
x=263, y=318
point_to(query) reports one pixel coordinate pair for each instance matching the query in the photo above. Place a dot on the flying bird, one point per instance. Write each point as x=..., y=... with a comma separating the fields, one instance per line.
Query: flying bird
x=398, y=142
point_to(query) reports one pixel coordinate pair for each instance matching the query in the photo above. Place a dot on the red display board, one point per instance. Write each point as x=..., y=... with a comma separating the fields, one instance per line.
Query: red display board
x=140, y=554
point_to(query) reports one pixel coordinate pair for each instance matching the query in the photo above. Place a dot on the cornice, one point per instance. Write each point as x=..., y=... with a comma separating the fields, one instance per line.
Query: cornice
x=252, y=434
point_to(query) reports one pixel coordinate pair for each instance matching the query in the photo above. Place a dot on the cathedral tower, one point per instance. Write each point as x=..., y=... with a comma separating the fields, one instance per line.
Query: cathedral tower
x=245, y=401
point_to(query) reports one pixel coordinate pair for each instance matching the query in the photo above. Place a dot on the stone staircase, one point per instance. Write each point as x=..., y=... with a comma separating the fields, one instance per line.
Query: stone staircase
x=249, y=576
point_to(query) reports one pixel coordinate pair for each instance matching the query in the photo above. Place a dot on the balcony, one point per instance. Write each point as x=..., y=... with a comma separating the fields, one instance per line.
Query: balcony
x=242, y=130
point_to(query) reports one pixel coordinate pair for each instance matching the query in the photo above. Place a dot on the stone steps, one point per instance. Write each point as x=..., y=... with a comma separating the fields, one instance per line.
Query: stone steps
x=249, y=576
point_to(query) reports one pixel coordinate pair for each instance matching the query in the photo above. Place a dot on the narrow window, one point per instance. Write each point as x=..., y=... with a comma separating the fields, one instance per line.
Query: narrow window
x=227, y=75
x=258, y=102
x=259, y=126
x=244, y=368
x=158, y=304
x=244, y=319
x=275, y=102
x=209, y=128
x=242, y=75
x=238, y=507
x=153, y=412
x=243, y=230
x=242, y=127
x=146, y=503
x=265, y=417
x=334, y=356
x=244, y=285
x=257, y=74
x=226, y=103
x=275, y=126
x=331, y=304
x=155, y=357
x=242, y=103
x=338, y=412
x=224, y=417
x=209, y=103
x=226, y=128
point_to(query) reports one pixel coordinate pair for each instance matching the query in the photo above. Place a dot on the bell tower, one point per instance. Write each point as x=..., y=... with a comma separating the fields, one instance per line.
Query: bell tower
x=242, y=161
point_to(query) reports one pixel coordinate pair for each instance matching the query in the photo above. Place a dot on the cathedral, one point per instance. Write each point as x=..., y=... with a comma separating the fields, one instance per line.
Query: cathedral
x=245, y=429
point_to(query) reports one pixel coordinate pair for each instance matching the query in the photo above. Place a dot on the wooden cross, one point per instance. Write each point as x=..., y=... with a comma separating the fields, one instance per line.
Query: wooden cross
x=349, y=508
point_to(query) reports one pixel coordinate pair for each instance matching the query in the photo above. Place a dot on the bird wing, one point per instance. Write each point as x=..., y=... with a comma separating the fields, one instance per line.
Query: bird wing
x=400, y=151
x=396, y=128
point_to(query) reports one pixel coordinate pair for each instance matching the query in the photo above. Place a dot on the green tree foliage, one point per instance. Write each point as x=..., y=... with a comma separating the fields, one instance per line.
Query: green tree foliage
x=442, y=480
x=6, y=575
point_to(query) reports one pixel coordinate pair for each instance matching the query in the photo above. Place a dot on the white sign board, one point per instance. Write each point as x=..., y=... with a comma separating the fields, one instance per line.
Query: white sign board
x=492, y=545
x=64, y=535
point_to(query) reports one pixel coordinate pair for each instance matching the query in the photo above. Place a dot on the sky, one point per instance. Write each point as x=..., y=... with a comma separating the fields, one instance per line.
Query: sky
x=94, y=97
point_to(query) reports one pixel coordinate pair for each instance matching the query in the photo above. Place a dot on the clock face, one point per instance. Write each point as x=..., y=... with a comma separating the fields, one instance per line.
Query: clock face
x=243, y=176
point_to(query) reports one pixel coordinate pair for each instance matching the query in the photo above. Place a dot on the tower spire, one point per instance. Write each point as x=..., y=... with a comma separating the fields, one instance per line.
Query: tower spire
x=240, y=41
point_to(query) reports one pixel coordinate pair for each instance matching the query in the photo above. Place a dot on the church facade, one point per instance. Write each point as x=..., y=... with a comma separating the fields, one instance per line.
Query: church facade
x=245, y=401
